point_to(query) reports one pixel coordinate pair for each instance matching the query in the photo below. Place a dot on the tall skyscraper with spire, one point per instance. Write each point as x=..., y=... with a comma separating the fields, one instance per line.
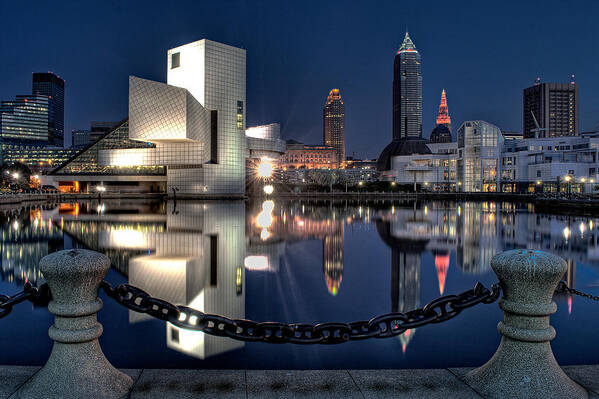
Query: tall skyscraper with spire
x=407, y=106
x=407, y=91
x=442, y=132
x=333, y=130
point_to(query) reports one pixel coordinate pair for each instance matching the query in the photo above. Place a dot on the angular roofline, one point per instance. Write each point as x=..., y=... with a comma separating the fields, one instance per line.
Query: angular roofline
x=62, y=165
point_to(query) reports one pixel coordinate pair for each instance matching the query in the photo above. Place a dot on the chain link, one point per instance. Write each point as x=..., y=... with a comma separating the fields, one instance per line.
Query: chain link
x=38, y=296
x=562, y=287
x=383, y=326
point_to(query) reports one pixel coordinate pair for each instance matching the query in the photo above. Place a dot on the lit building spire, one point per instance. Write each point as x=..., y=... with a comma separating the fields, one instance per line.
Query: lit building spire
x=407, y=45
x=443, y=117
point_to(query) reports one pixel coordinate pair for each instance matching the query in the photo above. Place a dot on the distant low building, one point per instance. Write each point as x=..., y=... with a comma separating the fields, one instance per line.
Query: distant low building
x=37, y=157
x=98, y=129
x=483, y=160
x=80, y=138
x=303, y=156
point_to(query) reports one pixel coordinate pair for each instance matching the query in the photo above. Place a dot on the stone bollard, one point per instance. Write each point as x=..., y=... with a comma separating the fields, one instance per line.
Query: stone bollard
x=524, y=365
x=77, y=367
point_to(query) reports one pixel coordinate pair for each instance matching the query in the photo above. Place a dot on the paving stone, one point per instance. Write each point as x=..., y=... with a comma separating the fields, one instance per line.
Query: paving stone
x=12, y=377
x=301, y=384
x=133, y=373
x=587, y=376
x=183, y=384
x=430, y=384
x=461, y=371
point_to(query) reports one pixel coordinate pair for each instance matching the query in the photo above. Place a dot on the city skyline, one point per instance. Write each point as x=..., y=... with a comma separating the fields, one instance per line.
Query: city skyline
x=444, y=65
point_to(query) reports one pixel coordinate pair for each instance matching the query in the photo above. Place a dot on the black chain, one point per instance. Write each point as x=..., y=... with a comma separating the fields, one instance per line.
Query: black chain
x=384, y=326
x=562, y=287
x=38, y=296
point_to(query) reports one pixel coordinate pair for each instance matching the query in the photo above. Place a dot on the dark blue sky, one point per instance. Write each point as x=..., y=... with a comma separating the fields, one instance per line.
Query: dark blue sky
x=483, y=54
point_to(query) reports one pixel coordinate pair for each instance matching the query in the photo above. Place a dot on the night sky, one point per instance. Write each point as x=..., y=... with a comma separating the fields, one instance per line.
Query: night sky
x=483, y=54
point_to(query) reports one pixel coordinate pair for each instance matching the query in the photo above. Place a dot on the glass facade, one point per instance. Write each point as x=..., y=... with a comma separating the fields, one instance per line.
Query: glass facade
x=26, y=119
x=86, y=161
x=36, y=157
x=480, y=145
x=49, y=85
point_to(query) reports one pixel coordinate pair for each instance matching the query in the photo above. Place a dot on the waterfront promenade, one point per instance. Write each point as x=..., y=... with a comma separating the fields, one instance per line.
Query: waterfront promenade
x=188, y=384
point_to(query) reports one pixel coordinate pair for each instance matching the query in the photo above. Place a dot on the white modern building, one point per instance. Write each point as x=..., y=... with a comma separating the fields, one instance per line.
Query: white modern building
x=483, y=161
x=185, y=136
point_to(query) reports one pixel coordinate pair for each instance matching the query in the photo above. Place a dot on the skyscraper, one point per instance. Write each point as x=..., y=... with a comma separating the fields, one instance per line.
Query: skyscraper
x=50, y=85
x=25, y=119
x=407, y=92
x=407, y=106
x=334, y=124
x=442, y=132
x=550, y=109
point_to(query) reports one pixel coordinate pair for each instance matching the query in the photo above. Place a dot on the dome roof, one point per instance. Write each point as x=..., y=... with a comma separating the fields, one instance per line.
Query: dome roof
x=401, y=147
x=440, y=134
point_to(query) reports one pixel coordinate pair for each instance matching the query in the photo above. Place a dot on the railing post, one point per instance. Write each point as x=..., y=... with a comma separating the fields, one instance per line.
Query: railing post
x=524, y=365
x=77, y=367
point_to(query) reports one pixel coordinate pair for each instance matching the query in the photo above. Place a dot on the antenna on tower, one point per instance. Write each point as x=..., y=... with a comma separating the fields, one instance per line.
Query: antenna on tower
x=572, y=79
x=538, y=81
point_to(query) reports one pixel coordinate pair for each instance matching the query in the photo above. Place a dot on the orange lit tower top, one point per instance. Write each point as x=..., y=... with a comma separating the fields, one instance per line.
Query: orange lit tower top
x=443, y=117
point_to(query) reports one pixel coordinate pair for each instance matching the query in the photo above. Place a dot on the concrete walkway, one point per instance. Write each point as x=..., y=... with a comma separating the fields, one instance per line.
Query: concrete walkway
x=184, y=384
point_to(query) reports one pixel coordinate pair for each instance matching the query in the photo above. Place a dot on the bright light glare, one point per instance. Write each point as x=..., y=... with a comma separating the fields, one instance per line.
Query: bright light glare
x=101, y=188
x=268, y=206
x=566, y=232
x=15, y=175
x=256, y=262
x=268, y=189
x=264, y=220
x=264, y=234
x=265, y=168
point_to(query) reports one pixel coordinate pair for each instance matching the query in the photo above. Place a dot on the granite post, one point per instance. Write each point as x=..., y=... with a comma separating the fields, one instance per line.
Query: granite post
x=524, y=365
x=77, y=367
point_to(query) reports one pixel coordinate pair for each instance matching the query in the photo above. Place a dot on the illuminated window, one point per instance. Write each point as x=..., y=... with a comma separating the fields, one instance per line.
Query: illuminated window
x=239, y=114
x=175, y=60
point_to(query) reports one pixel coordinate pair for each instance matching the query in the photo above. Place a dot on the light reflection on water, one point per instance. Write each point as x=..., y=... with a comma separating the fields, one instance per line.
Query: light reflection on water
x=209, y=255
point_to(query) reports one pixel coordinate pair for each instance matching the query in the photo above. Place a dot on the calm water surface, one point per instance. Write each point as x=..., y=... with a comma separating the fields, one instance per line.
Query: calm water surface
x=297, y=262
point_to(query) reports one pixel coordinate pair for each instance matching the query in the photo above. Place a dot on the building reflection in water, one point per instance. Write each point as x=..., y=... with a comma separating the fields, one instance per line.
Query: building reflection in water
x=26, y=236
x=197, y=253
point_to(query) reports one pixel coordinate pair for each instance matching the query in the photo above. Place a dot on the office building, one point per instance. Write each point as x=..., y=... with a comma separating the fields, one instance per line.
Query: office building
x=39, y=158
x=26, y=119
x=99, y=129
x=333, y=130
x=80, y=138
x=49, y=85
x=407, y=108
x=303, y=156
x=550, y=110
